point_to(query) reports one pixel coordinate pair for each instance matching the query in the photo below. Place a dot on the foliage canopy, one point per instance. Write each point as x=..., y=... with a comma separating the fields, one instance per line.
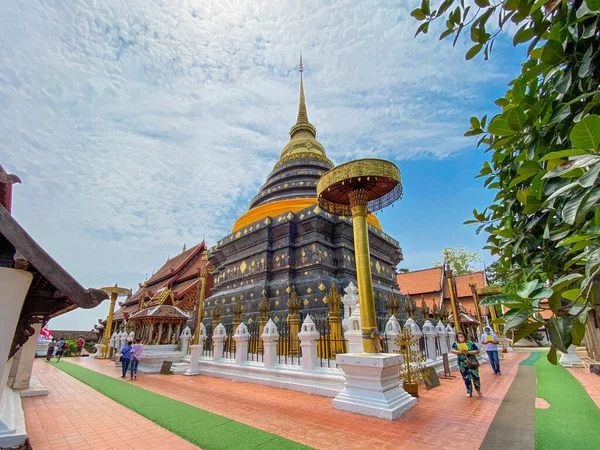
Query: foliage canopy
x=459, y=259
x=544, y=224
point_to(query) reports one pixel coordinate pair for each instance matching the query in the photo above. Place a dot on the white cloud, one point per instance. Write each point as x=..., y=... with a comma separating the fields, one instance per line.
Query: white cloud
x=138, y=125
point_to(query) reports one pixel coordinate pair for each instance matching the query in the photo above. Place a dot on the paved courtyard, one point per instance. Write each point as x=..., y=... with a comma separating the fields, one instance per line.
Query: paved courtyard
x=76, y=416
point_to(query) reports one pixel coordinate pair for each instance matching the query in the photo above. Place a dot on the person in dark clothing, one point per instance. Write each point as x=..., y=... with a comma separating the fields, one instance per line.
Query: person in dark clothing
x=126, y=353
x=50, y=352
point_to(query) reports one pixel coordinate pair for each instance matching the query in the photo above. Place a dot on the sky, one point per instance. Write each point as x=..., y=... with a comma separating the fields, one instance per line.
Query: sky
x=139, y=126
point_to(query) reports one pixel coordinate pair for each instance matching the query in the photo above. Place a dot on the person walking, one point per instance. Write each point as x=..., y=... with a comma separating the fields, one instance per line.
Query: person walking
x=490, y=342
x=61, y=347
x=126, y=353
x=136, y=355
x=468, y=365
x=50, y=352
x=80, y=343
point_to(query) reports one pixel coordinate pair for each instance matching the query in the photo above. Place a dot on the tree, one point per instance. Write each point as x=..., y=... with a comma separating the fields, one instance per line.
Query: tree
x=403, y=270
x=544, y=224
x=460, y=260
x=496, y=275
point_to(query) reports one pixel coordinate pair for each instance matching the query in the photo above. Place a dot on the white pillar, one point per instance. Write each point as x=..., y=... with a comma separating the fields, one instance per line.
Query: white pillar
x=451, y=335
x=178, y=329
x=429, y=333
x=184, y=339
x=309, y=340
x=415, y=332
x=131, y=336
x=98, y=348
x=571, y=359
x=442, y=337
x=113, y=340
x=15, y=284
x=241, y=337
x=194, y=368
x=350, y=300
x=219, y=336
x=354, y=333
x=392, y=329
x=170, y=333
x=160, y=331
x=25, y=363
x=269, y=337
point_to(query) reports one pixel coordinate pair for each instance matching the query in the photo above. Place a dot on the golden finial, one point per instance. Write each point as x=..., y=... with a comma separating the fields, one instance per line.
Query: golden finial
x=302, y=123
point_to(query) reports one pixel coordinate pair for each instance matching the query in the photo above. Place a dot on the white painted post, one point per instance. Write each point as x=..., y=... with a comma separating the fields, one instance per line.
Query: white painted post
x=451, y=335
x=219, y=336
x=415, y=332
x=392, y=329
x=443, y=337
x=429, y=333
x=131, y=337
x=123, y=340
x=241, y=337
x=354, y=333
x=309, y=338
x=113, y=341
x=350, y=300
x=194, y=368
x=269, y=338
x=184, y=340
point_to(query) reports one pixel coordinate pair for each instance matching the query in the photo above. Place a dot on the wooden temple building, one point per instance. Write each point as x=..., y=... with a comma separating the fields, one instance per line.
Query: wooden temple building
x=167, y=302
x=34, y=288
x=286, y=244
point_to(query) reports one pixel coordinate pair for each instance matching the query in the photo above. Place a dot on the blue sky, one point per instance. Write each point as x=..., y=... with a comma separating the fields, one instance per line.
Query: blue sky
x=138, y=126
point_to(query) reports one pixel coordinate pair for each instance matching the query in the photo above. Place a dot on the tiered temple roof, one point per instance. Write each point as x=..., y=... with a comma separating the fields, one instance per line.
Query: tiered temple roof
x=176, y=283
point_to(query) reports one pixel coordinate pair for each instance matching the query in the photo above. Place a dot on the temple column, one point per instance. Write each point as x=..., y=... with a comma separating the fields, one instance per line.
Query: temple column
x=293, y=320
x=23, y=366
x=178, y=329
x=170, y=333
x=335, y=320
x=443, y=337
x=150, y=333
x=159, y=335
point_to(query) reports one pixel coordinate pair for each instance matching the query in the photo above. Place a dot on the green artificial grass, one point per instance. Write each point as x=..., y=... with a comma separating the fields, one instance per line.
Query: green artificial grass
x=573, y=419
x=202, y=428
x=532, y=359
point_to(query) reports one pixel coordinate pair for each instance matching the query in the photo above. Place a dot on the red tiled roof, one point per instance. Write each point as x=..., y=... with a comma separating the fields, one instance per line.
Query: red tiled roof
x=420, y=281
x=462, y=284
x=119, y=314
x=181, y=289
x=173, y=265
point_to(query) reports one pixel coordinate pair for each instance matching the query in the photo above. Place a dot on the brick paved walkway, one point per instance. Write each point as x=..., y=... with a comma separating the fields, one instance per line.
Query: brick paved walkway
x=75, y=416
x=311, y=420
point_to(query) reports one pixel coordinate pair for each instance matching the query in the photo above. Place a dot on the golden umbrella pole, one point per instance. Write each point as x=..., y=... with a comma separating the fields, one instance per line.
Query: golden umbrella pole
x=114, y=292
x=358, y=205
x=355, y=189
x=473, y=287
x=206, y=269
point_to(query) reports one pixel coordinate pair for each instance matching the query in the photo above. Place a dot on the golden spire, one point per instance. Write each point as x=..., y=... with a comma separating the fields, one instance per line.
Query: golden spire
x=302, y=123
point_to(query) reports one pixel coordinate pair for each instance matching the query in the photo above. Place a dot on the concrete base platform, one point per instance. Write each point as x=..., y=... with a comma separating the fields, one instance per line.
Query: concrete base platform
x=372, y=386
x=36, y=389
x=12, y=420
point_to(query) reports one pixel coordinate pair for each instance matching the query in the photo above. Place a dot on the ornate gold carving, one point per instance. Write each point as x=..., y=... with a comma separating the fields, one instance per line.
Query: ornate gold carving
x=393, y=305
x=243, y=267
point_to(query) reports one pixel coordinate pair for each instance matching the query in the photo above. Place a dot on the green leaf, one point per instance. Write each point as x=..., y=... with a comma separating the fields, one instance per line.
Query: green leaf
x=499, y=127
x=565, y=280
x=482, y=3
x=578, y=332
x=586, y=133
x=552, y=355
x=542, y=293
x=537, y=186
x=501, y=102
x=475, y=122
x=555, y=334
x=563, y=154
x=418, y=14
x=573, y=239
x=517, y=319
x=553, y=53
x=518, y=91
x=523, y=35
x=572, y=294
x=589, y=178
x=593, y=5
x=532, y=205
x=516, y=118
x=569, y=212
x=526, y=329
x=473, y=51
x=524, y=289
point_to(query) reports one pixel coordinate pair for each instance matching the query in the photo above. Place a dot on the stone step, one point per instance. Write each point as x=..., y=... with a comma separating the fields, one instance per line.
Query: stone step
x=178, y=368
